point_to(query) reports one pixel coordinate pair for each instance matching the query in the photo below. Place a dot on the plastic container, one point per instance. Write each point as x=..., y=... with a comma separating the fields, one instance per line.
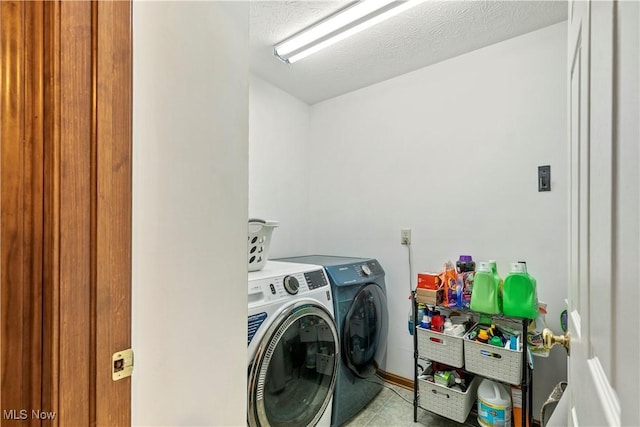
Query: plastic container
x=496, y=341
x=494, y=268
x=446, y=401
x=486, y=290
x=465, y=263
x=450, y=279
x=465, y=267
x=482, y=336
x=491, y=361
x=440, y=347
x=520, y=296
x=494, y=404
x=448, y=327
x=437, y=323
x=422, y=312
x=258, y=242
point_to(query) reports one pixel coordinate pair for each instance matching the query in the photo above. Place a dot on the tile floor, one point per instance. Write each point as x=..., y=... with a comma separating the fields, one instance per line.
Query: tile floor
x=390, y=409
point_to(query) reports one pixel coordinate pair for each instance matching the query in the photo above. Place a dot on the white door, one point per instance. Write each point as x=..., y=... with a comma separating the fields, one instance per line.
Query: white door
x=595, y=286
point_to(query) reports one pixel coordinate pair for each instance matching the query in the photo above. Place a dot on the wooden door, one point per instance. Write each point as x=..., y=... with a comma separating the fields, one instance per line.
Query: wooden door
x=65, y=127
x=21, y=203
x=592, y=286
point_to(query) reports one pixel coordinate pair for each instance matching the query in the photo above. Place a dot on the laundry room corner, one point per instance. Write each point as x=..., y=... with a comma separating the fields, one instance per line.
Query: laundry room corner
x=451, y=151
x=279, y=166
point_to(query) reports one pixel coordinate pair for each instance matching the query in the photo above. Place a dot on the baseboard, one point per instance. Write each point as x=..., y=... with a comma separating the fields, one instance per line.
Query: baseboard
x=408, y=384
x=396, y=379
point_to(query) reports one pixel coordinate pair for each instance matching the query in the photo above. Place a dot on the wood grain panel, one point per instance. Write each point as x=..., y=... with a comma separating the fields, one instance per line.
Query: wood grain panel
x=75, y=221
x=11, y=191
x=21, y=202
x=51, y=273
x=33, y=201
x=113, y=220
x=65, y=194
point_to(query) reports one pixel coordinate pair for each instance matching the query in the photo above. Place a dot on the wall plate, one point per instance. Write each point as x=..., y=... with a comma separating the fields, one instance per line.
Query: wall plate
x=544, y=178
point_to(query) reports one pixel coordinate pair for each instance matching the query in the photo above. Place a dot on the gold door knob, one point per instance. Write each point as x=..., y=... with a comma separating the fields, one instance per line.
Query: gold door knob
x=550, y=340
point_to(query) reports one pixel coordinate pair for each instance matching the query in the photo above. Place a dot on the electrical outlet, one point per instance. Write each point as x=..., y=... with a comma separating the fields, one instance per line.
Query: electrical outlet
x=405, y=236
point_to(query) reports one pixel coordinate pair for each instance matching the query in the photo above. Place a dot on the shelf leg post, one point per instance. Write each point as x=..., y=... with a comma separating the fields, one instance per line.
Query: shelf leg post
x=415, y=357
x=524, y=382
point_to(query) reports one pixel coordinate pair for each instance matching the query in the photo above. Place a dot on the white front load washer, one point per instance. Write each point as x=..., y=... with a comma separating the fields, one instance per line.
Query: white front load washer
x=292, y=346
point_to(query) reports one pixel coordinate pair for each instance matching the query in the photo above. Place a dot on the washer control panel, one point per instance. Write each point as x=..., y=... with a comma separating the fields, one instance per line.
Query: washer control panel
x=316, y=279
x=284, y=286
x=291, y=284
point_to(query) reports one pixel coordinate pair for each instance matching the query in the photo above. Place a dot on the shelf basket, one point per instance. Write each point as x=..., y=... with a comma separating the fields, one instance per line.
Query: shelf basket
x=440, y=347
x=498, y=363
x=447, y=402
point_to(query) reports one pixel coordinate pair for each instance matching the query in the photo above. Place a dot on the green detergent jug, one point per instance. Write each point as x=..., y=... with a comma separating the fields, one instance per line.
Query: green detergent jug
x=485, y=297
x=520, y=297
x=494, y=269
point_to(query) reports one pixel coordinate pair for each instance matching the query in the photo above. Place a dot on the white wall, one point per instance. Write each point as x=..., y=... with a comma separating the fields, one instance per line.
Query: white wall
x=451, y=151
x=279, y=165
x=189, y=213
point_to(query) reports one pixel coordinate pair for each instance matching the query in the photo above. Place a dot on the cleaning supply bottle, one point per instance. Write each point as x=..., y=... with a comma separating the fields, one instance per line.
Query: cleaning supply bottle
x=486, y=290
x=520, y=296
x=448, y=327
x=482, y=336
x=496, y=276
x=465, y=263
x=496, y=341
x=422, y=311
x=437, y=323
x=426, y=319
x=494, y=404
x=465, y=267
x=459, y=385
x=450, y=280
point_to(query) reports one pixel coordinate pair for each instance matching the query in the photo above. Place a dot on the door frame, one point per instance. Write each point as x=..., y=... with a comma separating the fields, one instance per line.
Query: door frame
x=67, y=68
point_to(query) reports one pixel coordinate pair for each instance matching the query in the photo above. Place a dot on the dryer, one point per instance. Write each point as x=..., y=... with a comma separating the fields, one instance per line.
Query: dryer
x=360, y=305
x=292, y=344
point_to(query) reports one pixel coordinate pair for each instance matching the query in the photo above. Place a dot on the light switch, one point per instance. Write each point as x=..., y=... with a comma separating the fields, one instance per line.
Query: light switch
x=544, y=178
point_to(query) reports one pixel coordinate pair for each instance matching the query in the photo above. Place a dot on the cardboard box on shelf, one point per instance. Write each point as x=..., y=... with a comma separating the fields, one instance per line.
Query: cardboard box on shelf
x=516, y=398
x=428, y=280
x=429, y=296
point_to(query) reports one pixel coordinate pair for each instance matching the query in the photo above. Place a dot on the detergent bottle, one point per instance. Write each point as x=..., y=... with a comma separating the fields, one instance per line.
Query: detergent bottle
x=520, y=296
x=496, y=276
x=485, y=297
x=465, y=267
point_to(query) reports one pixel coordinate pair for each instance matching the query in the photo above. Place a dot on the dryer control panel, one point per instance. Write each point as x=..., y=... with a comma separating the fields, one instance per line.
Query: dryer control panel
x=351, y=274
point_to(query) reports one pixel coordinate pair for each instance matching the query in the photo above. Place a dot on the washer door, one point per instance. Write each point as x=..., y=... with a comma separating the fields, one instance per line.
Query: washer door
x=365, y=330
x=293, y=373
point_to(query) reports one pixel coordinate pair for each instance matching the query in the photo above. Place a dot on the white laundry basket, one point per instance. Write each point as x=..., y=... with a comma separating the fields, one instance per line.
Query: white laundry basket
x=258, y=242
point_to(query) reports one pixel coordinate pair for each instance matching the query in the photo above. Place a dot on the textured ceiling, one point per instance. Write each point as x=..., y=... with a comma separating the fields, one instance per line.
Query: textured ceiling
x=428, y=33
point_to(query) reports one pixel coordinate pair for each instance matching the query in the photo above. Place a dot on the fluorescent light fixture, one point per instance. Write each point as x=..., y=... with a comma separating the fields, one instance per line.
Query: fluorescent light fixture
x=347, y=22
